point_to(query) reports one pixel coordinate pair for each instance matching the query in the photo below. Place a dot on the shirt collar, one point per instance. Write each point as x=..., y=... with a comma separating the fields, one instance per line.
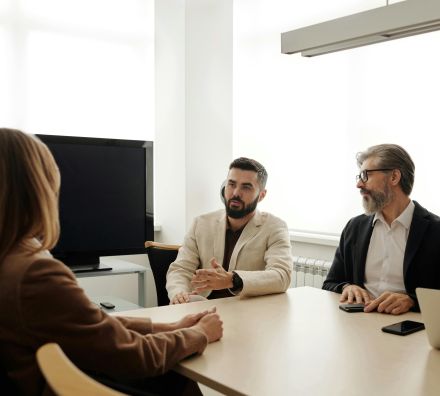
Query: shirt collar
x=405, y=217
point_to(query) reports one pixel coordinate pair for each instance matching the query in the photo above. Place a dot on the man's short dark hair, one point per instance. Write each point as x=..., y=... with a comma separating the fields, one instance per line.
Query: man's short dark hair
x=244, y=163
x=394, y=157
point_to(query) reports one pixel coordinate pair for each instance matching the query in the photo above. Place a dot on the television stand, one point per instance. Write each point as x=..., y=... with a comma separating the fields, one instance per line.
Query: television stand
x=89, y=268
x=120, y=267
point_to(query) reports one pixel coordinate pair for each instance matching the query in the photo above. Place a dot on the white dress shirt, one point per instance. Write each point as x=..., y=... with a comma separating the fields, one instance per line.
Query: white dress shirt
x=384, y=265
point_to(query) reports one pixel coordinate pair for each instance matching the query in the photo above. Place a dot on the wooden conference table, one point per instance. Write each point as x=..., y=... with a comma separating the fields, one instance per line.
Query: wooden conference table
x=301, y=343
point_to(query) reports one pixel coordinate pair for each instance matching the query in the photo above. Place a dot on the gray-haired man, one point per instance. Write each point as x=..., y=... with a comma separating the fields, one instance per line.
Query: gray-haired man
x=386, y=253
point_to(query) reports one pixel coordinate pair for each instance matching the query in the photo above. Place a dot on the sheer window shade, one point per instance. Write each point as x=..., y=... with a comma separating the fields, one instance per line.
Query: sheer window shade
x=306, y=119
x=78, y=67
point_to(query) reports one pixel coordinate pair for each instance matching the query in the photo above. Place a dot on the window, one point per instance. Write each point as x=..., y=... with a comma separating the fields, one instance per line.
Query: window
x=78, y=67
x=306, y=118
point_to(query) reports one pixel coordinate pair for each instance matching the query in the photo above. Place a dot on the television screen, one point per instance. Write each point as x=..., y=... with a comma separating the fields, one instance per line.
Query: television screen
x=106, y=197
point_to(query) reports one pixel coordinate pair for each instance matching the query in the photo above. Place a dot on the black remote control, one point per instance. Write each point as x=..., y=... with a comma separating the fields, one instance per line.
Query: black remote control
x=107, y=305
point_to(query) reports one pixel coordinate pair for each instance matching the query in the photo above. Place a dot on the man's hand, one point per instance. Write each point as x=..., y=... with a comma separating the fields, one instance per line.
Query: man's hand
x=182, y=298
x=211, y=326
x=215, y=278
x=355, y=294
x=391, y=303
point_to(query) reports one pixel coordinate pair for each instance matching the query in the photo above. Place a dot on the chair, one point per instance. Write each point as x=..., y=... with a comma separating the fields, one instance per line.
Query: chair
x=64, y=378
x=161, y=256
x=7, y=387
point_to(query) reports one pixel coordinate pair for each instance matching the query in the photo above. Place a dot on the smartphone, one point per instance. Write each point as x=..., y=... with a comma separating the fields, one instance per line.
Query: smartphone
x=404, y=328
x=352, y=307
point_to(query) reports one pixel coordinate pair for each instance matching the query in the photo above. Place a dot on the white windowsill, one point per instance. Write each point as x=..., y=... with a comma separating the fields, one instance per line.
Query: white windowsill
x=314, y=238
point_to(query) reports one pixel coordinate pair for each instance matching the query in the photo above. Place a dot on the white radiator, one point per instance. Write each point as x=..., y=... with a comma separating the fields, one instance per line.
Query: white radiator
x=309, y=271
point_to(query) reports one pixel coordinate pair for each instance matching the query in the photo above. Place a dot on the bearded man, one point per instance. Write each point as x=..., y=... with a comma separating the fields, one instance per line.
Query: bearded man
x=237, y=250
x=385, y=254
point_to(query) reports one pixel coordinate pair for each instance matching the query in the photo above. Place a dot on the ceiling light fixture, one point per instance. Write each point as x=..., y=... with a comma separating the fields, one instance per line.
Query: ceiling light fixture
x=403, y=19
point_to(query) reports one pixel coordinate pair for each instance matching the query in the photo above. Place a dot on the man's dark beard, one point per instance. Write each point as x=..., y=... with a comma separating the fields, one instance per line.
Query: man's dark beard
x=240, y=213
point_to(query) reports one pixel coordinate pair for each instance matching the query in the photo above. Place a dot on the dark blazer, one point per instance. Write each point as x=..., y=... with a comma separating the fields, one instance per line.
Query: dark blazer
x=421, y=263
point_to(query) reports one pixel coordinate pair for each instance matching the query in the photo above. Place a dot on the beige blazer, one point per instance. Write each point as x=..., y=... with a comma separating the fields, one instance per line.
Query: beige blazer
x=262, y=256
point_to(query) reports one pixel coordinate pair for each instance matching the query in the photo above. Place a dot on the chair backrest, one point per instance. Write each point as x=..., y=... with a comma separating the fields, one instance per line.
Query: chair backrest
x=64, y=378
x=7, y=387
x=161, y=256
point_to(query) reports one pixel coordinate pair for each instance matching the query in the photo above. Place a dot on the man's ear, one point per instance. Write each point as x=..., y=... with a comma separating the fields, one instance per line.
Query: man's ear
x=395, y=177
x=262, y=194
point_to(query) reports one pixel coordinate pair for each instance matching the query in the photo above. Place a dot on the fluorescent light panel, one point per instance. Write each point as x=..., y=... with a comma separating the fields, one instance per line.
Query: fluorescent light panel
x=391, y=22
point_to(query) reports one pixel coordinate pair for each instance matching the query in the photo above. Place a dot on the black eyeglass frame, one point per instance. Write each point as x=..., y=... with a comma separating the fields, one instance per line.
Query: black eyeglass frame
x=363, y=176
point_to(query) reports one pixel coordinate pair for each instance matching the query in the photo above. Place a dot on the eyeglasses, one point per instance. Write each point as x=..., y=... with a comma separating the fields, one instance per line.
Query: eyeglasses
x=363, y=176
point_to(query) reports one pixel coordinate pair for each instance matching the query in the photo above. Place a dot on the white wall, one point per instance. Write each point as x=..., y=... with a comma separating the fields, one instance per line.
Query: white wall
x=208, y=103
x=193, y=142
x=169, y=146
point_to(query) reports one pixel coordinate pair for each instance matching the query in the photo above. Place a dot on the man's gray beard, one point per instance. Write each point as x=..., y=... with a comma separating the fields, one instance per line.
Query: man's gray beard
x=376, y=201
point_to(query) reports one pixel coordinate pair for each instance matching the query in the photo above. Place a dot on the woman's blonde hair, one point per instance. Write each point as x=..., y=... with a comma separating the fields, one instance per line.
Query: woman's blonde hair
x=29, y=186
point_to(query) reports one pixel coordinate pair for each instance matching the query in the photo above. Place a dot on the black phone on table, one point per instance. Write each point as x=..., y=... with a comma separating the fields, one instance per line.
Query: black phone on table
x=352, y=307
x=404, y=328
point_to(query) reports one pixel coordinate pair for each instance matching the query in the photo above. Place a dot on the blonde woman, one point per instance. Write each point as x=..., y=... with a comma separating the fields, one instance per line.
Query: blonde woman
x=40, y=300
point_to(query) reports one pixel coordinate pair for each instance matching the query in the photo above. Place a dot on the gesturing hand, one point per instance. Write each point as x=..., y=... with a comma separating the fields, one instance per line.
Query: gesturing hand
x=215, y=278
x=392, y=303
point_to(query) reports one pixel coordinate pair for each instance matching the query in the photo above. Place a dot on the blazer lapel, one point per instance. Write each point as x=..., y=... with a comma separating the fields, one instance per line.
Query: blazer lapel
x=361, y=249
x=417, y=230
x=249, y=231
x=219, y=238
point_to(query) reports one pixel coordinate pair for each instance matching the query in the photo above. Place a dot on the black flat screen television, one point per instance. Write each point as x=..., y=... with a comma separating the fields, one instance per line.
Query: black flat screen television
x=106, y=198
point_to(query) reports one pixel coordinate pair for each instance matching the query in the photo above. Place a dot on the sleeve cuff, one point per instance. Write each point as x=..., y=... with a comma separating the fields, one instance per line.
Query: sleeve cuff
x=339, y=288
